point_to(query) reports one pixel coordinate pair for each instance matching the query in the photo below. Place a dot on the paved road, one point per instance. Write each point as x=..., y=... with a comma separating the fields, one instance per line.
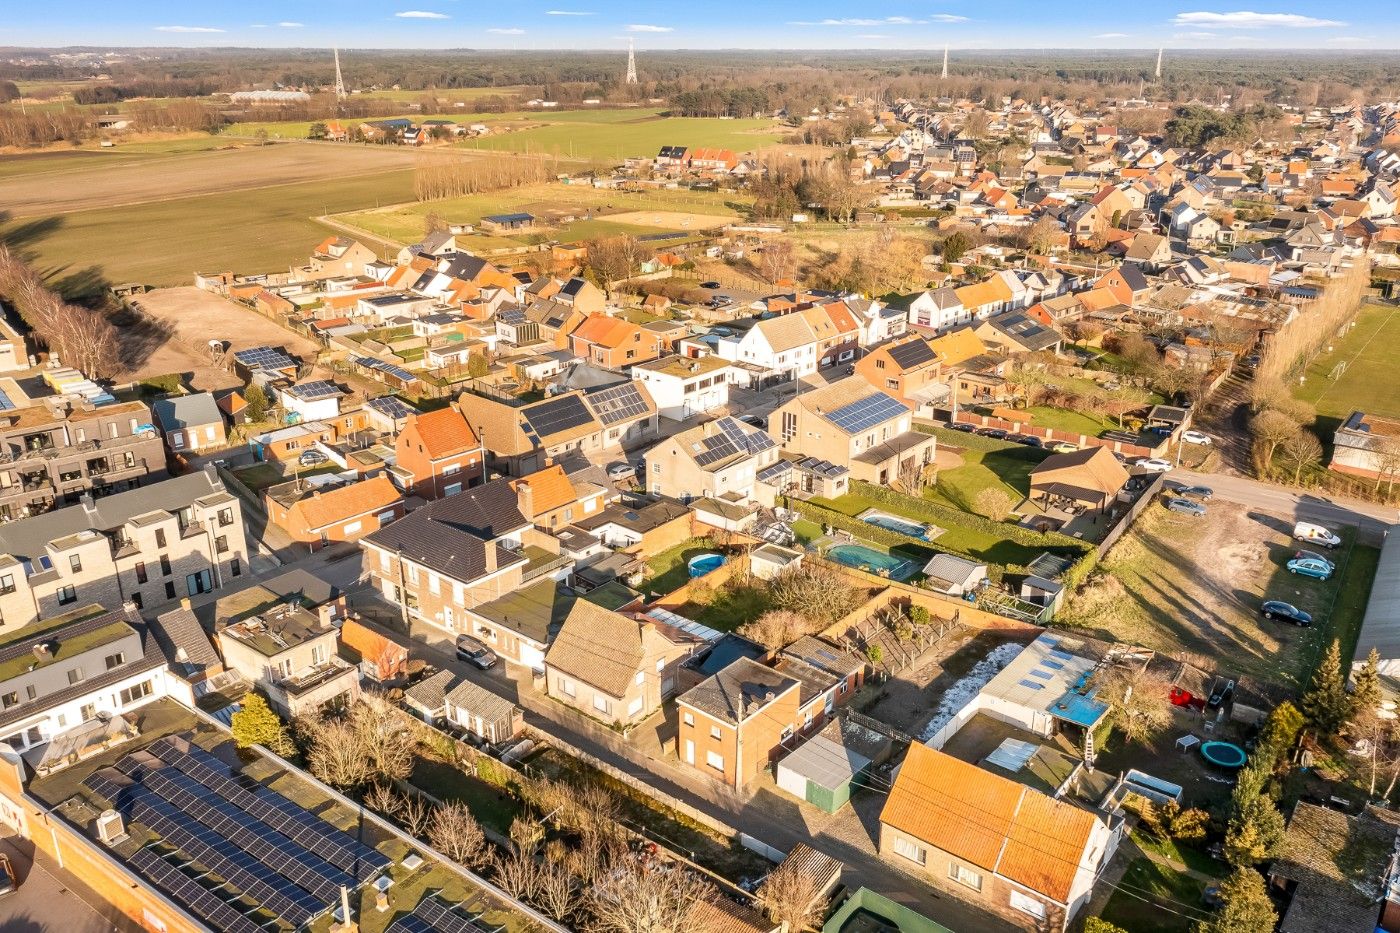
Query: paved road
x=1371, y=519
x=49, y=900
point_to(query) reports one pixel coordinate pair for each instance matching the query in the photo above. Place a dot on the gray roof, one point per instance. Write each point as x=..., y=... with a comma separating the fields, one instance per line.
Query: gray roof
x=825, y=760
x=451, y=535
x=739, y=691
x=1380, y=628
x=479, y=701
x=952, y=569
x=186, y=411
x=430, y=693
x=185, y=643
x=29, y=536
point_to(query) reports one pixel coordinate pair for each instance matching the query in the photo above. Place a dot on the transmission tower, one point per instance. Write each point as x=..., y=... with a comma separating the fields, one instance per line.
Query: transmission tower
x=339, y=81
x=1159, y=64
x=631, y=63
x=945, y=61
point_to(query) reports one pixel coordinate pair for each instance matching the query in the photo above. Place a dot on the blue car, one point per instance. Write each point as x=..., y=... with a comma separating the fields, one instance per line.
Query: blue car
x=1310, y=567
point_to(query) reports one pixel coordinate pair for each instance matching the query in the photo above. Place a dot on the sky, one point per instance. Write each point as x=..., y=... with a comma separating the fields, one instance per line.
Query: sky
x=712, y=24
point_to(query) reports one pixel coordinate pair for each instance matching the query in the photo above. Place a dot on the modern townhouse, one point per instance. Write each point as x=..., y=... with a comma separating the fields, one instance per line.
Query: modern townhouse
x=683, y=386
x=783, y=347
x=191, y=423
x=291, y=654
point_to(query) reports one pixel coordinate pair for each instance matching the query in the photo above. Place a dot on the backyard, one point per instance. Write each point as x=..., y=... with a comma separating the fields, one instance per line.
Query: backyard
x=1192, y=587
x=969, y=465
x=1156, y=898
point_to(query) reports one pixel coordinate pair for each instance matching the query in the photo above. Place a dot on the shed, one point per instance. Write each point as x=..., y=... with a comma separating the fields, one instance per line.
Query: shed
x=491, y=718
x=953, y=575
x=1380, y=628
x=826, y=769
x=767, y=560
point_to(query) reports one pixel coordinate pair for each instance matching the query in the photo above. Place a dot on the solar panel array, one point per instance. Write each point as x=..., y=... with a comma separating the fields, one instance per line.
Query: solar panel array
x=774, y=471
x=912, y=353
x=556, y=416
x=618, y=403
x=391, y=406
x=732, y=439
x=5, y=403
x=866, y=413
x=311, y=391
x=207, y=905
x=821, y=467
x=264, y=358
x=204, y=845
x=335, y=846
x=433, y=916
x=369, y=362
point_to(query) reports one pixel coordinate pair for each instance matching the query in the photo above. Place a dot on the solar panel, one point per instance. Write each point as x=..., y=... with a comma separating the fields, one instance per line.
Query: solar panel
x=207, y=847
x=208, y=906
x=618, y=403
x=311, y=391
x=5, y=403
x=912, y=353
x=443, y=918
x=557, y=415
x=866, y=413
x=398, y=372
x=320, y=837
x=769, y=473
x=410, y=924
x=264, y=358
x=391, y=406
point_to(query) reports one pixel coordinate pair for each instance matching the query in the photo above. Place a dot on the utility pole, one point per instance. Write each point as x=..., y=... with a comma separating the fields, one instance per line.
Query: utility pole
x=631, y=63
x=339, y=81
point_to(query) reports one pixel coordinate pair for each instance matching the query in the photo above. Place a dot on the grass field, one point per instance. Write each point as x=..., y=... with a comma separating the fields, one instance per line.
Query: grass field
x=165, y=242
x=403, y=223
x=1152, y=898
x=616, y=140
x=1371, y=351
x=1007, y=470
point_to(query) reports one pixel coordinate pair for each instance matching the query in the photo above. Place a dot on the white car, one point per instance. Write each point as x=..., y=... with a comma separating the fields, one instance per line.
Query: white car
x=1195, y=437
x=1154, y=465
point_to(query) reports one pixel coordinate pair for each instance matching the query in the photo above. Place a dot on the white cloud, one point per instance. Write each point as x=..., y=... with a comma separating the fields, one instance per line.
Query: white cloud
x=569, y=13
x=947, y=18
x=858, y=21
x=258, y=26
x=1110, y=35
x=643, y=27
x=421, y=14
x=187, y=29
x=1246, y=19
x=512, y=31
x=291, y=25
x=870, y=35
x=1194, y=35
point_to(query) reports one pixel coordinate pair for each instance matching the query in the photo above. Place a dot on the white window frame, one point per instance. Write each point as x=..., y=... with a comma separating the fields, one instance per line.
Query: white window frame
x=1028, y=905
x=965, y=876
x=715, y=760
x=911, y=850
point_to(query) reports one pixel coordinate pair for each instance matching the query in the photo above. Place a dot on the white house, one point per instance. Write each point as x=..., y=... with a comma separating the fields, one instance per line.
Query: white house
x=683, y=386
x=779, y=346
x=313, y=401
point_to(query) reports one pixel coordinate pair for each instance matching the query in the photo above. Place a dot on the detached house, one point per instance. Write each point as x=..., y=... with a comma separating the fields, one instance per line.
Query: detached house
x=614, y=342
x=340, y=256
x=908, y=370
x=683, y=386
x=783, y=347
x=438, y=454
x=721, y=459
x=317, y=517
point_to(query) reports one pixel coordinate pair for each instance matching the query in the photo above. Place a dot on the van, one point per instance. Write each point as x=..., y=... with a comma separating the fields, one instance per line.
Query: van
x=1315, y=534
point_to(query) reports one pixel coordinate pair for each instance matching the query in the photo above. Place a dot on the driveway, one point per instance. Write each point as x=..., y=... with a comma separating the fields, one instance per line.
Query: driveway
x=1371, y=519
x=50, y=900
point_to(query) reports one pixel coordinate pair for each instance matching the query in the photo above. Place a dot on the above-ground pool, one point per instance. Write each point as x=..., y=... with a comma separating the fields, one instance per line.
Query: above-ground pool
x=1223, y=754
x=702, y=564
x=904, y=526
x=864, y=558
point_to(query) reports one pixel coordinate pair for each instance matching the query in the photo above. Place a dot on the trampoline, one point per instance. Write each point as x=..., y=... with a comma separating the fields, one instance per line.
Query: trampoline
x=1223, y=754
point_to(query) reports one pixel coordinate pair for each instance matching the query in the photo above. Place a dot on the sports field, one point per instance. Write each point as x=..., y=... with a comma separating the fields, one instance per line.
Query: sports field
x=1370, y=355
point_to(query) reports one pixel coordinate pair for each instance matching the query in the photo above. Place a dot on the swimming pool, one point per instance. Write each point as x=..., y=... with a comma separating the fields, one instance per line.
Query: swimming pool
x=702, y=564
x=868, y=559
x=903, y=526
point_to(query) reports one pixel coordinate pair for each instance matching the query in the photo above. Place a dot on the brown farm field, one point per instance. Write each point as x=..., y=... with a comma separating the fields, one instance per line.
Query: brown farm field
x=46, y=184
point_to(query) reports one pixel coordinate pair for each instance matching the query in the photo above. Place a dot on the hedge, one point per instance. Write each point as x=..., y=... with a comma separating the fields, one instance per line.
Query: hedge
x=936, y=513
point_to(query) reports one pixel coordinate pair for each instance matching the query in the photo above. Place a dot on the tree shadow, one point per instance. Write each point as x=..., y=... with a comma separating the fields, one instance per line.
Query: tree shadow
x=141, y=336
x=22, y=235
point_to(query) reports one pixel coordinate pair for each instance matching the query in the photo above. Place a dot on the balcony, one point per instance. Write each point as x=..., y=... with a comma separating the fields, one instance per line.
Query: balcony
x=309, y=679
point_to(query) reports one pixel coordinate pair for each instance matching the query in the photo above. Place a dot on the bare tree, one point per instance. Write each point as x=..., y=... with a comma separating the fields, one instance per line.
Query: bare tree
x=1386, y=456
x=416, y=814
x=382, y=736
x=815, y=590
x=649, y=899
x=1142, y=699
x=335, y=755
x=1299, y=452
x=993, y=503
x=912, y=476
x=977, y=124
x=456, y=833
x=557, y=890
x=1270, y=429
x=777, y=261
x=385, y=800
x=776, y=628
x=792, y=897
x=517, y=873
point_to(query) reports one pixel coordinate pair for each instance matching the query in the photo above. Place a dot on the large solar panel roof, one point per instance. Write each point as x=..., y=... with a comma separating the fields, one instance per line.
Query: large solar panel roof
x=618, y=403
x=556, y=416
x=397, y=372
x=391, y=406
x=912, y=353
x=209, y=907
x=312, y=391
x=264, y=358
x=866, y=413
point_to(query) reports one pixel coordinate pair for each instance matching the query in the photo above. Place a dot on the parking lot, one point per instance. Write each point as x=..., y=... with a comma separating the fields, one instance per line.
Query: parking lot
x=1192, y=586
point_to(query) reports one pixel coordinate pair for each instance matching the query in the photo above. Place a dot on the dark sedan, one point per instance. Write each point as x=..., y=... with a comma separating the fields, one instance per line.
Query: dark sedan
x=1277, y=610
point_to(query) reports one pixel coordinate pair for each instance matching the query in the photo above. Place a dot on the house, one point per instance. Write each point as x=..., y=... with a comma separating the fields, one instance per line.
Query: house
x=1152, y=251
x=150, y=546
x=339, y=256
x=676, y=156
x=1090, y=477
x=939, y=309
x=908, y=370
x=683, y=386
x=503, y=223
x=68, y=683
x=1030, y=858
x=317, y=515
x=782, y=347
x=577, y=294
x=1367, y=445
x=438, y=454
x=1126, y=283
x=549, y=499
x=712, y=160
x=292, y=655
x=312, y=401
x=612, y=667
x=614, y=342
x=191, y=422
x=1336, y=873
x=641, y=527
x=462, y=705
x=381, y=659
x=720, y=459
x=1018, y=333
x=855, y=427
x=520, y=624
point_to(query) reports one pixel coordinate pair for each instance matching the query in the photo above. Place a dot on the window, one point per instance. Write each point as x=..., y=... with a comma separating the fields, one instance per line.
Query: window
x=114, y=660
x=75, y=563
x=75, y=676
x=641, y=677
x=86, y=712
x=634, y=707
x=1027, y=905
x=66, y=595
x=220, y=544
x=688, y=719
x=602, y=704
x=660, y=665
x=566, y=687
x=352, y=528
x=164, y=566
x=169, y=590
x=964, y=875
x=714, y=732
x=235, y=568
x=135, y=692
x=7, y=583
x=8, y=699
x=140, y=571
x=160, y=540
x=137, y=601
x=911, y=851
x=879, y=364
x=715, y=760
x=30, y=693
x=318, y=655
x=225, y=517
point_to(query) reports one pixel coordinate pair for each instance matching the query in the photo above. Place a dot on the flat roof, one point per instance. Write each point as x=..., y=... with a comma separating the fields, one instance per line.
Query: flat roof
x=1380, y=628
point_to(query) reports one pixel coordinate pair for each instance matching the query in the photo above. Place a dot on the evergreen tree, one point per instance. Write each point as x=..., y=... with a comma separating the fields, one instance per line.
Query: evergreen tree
x=257, y=724
x=1255, y=833
x=1326, y=704
x=1366, y=689
x=1247, y=908
x=257, y=403
x=1280, y=732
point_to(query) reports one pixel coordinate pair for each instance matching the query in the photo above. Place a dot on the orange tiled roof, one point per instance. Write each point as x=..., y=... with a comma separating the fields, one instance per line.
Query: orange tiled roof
x=550, y=489
x=444, y=432
x=323, y=509
x=605, y=331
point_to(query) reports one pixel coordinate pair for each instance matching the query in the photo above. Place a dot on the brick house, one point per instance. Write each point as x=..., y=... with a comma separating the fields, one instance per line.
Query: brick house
x=343, y=513
x=908, y=370
x=191, y=422
x=438, y=454
x=614, y=342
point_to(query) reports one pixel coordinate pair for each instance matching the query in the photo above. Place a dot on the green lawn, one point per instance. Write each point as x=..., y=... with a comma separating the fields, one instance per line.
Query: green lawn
x=639, y=136
x=1371, y=351
x=491, y=806
x=1154, y=899
x=1192, y=858
x=166, y=242
x=668, y=571
x=1007, y=470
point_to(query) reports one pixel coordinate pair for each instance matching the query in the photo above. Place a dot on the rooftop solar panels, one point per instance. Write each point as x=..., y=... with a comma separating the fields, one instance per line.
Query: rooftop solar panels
x=774, y=471
x=410, y=924
x=312, y=391
x=208, y=906
x=911, y=354
x=618, y=403
x=556, y=416
x=264, y=358
x=866, y=413
x=389, y=369
x=443, y=918
x=730, y=439
x=821, y=467
x=391, y=406
x=5, y=403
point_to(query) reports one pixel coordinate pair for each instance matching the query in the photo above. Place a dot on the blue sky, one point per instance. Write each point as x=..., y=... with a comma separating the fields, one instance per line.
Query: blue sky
x=812, y=24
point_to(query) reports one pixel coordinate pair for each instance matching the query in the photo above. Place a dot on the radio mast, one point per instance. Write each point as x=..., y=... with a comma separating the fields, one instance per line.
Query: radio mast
x=339, y=81
x=631, y=63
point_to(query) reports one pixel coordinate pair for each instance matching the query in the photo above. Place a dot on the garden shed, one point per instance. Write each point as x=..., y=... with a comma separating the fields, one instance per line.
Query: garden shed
x=827, y=768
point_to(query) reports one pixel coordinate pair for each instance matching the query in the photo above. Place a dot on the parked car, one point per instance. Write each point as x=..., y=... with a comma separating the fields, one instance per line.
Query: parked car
x=1186, y=507
x=756, y=421
x=710, y=285
x=1196, y=437
x=1063, y=447
x=1315, y=556
x=1310, y=567
x=996, y=434
x=9, y=883
x=620, y=470
x=1204, y=493
x=312, y=458
x=962, y=426
x=1030, y=440
x=1277, y=610
x=475, y=652
x=1154, y=465
x=1160, y=431
x=1315, y=534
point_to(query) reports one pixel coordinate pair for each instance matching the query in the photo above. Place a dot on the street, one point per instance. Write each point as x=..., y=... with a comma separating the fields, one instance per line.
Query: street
x=49, y=900
x=1371, y=519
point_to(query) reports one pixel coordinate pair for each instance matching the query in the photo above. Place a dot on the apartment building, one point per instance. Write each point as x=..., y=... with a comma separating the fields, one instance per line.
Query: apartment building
x=290, y=654
x=53, y=453
x=150, y=546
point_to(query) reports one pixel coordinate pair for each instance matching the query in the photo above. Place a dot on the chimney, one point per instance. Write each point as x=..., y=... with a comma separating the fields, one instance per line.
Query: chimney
x=490, y=551
x=185, y=603
x=526, y=499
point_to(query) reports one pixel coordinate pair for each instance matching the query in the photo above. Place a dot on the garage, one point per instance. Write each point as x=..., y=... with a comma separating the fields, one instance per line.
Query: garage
x=826, y=769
